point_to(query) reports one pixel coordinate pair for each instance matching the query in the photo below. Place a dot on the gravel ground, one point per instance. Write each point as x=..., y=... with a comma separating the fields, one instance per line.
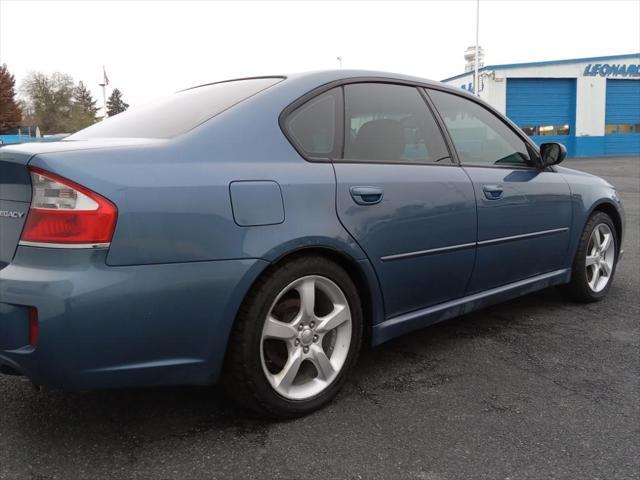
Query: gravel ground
x=537, y=388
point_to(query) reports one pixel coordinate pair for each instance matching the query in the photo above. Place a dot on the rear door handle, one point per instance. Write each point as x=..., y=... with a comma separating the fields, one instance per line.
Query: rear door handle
x=366, y=195
x=493, y=192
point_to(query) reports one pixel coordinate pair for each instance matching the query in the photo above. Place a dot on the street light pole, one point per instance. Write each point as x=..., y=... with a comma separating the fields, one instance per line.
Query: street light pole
x=104, y=98
x=476, y=87
x=339, y=61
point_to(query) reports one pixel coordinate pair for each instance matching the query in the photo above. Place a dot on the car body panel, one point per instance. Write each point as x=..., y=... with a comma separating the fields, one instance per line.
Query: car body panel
x=15, y=330
x=589, y=192
x=523, y=233
x=103, y=326
x=15, y=184
x=12, y=218
x=158, y=305
x=420, y=237
x=402, y=324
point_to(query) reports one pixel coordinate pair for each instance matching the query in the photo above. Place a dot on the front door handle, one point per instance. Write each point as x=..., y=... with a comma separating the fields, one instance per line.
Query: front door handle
x=493, y=192
x=366, y=195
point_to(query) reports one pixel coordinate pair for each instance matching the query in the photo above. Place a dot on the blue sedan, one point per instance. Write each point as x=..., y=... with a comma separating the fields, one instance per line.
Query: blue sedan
x=258, y=231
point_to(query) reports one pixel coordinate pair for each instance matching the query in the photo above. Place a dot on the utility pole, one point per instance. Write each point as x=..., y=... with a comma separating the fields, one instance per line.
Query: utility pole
x=476, y=86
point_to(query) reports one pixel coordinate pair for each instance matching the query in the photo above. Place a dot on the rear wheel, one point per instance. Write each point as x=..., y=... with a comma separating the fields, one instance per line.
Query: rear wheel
x=595, y=262
x=296, y=337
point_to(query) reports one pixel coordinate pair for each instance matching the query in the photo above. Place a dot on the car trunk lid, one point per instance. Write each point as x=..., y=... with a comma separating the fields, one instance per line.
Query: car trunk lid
x=15, y=198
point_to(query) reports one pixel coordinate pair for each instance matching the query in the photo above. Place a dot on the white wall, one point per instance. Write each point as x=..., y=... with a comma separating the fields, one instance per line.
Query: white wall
x=590, y=90
x=494, y=92
x=591, y=96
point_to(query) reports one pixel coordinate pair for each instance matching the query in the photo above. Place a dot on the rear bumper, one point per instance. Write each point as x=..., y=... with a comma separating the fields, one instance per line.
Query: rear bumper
x=102, y=326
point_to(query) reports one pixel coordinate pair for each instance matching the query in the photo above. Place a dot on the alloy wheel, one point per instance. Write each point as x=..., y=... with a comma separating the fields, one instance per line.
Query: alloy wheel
x=306, y=337
x=601, y=253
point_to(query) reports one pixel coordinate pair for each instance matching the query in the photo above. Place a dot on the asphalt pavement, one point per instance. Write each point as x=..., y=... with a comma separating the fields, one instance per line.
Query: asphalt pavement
x=536, y=388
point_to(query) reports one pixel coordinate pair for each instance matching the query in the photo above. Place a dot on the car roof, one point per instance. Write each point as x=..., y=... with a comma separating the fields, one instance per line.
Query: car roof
x=314, y=79
x=344, y=74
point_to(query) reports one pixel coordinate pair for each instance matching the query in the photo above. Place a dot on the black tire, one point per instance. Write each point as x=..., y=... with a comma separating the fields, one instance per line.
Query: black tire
x=578, y=289
x=243, y=377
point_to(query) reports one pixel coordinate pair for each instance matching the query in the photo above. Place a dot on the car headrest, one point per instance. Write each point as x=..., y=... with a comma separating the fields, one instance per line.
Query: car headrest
x=381, y=139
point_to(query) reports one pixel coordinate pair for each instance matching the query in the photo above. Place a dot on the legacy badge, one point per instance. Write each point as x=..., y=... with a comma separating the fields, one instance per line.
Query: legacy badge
x=11, y=213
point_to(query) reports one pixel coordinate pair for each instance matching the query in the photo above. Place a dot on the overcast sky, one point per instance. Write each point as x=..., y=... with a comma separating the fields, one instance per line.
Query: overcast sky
x=151, y=48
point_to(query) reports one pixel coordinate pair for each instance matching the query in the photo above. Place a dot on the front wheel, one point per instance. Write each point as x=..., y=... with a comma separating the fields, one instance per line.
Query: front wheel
x=296, y=337
x=595, y=262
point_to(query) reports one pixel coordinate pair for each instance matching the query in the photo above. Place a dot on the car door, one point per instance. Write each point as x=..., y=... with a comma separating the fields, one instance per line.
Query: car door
x=399, y=194
x=524, y=213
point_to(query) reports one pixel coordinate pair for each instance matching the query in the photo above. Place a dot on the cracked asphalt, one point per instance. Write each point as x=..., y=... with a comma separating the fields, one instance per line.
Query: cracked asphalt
x=536, y=388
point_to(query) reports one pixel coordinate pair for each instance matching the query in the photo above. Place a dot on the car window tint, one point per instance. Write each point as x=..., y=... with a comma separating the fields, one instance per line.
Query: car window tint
x=177, y=113
x=480, y=137
x=313, y=125
x=390, y=123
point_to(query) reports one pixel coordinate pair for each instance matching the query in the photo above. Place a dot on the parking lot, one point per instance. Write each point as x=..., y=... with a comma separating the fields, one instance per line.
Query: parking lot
x=536, y=388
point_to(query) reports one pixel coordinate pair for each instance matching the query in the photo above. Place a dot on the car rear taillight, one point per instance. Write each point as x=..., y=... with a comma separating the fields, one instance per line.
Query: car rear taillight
x=63, y=213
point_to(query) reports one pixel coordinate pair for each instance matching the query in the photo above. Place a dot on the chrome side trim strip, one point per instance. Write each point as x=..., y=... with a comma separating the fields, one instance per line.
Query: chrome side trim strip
x=420, y=253
x=64, y=245
x=542, y=233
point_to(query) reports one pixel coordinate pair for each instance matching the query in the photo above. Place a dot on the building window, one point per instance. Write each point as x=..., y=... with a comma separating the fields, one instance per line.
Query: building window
x=621, y=128
x=546, y=130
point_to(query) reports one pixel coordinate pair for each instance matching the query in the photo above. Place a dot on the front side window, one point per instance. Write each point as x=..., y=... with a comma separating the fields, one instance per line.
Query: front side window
x=480, y=137
x=390, y=123
x=312, y=127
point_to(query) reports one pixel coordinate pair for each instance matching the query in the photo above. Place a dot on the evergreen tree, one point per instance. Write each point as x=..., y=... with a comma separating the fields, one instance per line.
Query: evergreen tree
x=83, y=98
x=115, y=103
x=83, y=110
x=10, y=112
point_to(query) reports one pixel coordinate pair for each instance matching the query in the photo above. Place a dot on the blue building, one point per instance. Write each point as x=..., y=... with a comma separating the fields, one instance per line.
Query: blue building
x=591, y=105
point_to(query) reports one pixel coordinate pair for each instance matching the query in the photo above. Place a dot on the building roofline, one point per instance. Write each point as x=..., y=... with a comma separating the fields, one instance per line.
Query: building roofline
x=548, y=62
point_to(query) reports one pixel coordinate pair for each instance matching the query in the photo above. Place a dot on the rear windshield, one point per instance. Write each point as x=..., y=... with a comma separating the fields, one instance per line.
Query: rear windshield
x=177, y=113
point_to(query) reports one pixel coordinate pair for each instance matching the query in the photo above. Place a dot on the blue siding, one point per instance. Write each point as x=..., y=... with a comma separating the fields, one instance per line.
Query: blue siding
x=628, y=144
x=607, y=145
x=12, y=139
x=544, y=101
x=623, y=101
x=8, y=139
x=622, y=107
x=588, y=146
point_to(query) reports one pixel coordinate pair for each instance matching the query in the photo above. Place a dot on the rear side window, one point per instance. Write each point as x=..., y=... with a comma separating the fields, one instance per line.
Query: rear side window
x=390, y=123
x=312, y=127
x=177, y=113
x=480, y=137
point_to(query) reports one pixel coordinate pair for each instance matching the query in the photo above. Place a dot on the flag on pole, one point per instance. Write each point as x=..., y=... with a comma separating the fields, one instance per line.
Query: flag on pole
x=104, y=73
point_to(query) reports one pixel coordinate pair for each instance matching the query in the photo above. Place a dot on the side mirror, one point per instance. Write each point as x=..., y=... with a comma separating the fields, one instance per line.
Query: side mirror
x=552, y=153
